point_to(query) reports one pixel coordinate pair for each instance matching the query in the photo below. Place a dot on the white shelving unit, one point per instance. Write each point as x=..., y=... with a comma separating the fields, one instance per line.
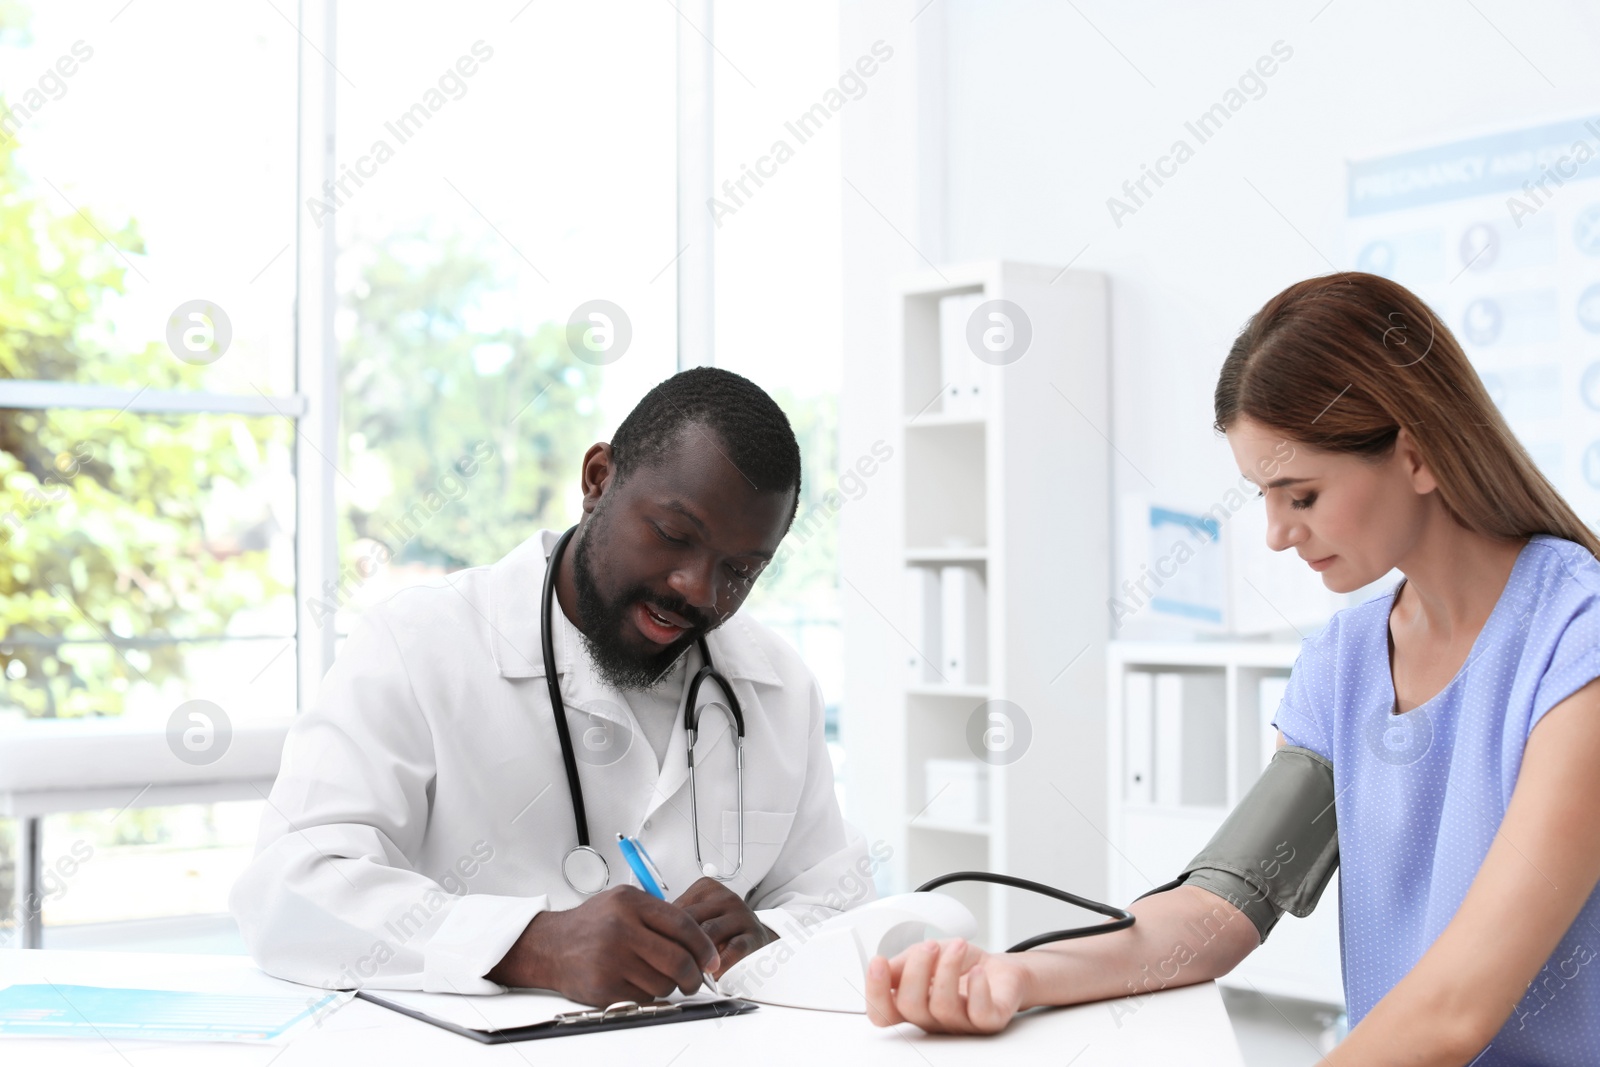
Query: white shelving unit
x=1150, y=843
x=1021, y=494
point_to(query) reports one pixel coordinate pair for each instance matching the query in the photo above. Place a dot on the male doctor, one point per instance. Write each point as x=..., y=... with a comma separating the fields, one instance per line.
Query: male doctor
x=417, y=832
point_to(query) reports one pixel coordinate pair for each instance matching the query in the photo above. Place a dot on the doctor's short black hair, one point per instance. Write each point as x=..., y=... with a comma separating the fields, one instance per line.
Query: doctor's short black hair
x=748, y=425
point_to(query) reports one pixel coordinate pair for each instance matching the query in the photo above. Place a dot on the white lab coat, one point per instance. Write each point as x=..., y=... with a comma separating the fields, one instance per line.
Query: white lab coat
x=421, y=813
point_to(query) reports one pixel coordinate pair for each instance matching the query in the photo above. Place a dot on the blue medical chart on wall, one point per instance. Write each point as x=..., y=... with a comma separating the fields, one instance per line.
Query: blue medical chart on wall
x=1500, y=234
x=1188, y=564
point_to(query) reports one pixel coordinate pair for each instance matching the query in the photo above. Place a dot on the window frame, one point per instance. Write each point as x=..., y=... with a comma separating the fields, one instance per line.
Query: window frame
x=313, y=406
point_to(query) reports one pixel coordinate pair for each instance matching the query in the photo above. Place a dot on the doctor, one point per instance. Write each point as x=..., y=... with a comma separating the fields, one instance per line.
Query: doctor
x=423, y=832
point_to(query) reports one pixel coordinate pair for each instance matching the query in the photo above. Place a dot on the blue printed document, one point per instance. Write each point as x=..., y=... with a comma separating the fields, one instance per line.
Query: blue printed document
x=101, y=1012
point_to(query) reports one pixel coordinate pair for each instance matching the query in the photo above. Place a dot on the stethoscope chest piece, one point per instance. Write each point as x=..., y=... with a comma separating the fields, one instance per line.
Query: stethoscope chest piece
x=585, y=871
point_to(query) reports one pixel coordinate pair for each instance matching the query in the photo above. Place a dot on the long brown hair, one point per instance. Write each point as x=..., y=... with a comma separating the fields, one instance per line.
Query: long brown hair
x=1343, y=362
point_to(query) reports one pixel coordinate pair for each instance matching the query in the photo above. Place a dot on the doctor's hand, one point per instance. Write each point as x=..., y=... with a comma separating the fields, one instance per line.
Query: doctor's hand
x=726, y=919
x=622, y=944
x=947, y=987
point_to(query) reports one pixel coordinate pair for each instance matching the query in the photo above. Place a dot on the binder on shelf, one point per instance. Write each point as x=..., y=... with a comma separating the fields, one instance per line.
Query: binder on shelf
x=964, y=625
x=1271, y=690
x=923, y=628
x=960, y=370
x=1138, y=712
x=1167, y=723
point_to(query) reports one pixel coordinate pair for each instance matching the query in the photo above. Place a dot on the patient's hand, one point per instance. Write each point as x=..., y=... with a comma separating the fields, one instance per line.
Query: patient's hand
x=947, y=986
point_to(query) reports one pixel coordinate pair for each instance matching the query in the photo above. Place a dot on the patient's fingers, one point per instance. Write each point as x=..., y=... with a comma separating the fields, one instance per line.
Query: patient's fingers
x=911, y=991
x=930, y=985
x=881, y=1008
x=945, y=1002
x=985, y=1016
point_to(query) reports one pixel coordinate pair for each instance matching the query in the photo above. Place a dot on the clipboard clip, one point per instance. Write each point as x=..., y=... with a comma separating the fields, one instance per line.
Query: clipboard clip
x=622, y=1009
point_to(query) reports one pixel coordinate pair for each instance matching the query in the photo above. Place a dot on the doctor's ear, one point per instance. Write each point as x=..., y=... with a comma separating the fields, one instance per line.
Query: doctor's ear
x=599, y=474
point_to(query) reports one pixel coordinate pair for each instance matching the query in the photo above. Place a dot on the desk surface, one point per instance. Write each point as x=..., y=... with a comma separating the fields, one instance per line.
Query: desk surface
x=1185, y=1025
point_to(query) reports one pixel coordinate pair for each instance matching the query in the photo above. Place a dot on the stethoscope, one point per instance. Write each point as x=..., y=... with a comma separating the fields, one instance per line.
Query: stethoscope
x=585, y=870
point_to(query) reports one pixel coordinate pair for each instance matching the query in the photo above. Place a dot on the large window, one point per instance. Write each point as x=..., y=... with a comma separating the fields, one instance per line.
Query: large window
x=778, y=264
x=148, y=522
x=147, y=408
x=500, y=287
x=518, y=184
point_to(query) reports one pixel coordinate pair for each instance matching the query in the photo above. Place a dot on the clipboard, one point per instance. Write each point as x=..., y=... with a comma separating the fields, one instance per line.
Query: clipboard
x=623, y=1015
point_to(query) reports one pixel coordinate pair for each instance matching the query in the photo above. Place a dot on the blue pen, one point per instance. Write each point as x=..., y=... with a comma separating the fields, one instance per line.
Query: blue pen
x=644, y=869
x=650, y=880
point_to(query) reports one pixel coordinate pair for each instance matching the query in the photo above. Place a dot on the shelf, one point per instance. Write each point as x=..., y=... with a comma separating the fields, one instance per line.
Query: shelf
x=968, y=499
x=948, y=280
x=973, y=692
x=1161, y=654
x=947, y=485
x=938, y=420
x=974, y=829
x=970, y=554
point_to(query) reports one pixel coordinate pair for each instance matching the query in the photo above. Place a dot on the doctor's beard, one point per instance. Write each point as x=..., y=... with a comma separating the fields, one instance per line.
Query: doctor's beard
x=619, y=665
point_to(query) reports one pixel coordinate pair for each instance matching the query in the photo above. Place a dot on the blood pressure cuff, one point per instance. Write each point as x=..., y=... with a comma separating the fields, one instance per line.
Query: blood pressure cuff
x=1278, y=849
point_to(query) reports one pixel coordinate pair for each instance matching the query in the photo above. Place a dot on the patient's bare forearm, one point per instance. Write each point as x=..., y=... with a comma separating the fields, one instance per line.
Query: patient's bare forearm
x=1182, y=936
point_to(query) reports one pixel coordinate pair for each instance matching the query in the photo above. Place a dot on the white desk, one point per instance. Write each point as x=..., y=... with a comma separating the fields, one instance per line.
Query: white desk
x=1187, y=1026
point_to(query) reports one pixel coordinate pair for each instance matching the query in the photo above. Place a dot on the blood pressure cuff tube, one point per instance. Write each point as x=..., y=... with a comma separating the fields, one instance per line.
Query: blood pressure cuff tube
x=1277, y=850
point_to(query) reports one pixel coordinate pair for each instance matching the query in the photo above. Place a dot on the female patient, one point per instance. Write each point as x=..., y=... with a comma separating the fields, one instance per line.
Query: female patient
x=1459, y=711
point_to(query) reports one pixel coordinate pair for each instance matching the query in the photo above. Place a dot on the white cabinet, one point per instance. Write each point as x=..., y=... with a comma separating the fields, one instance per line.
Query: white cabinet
x=1205, y=744
x=999, y=417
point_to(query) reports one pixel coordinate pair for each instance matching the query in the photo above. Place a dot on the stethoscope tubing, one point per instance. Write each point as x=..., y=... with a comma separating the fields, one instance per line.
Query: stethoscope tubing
x=569, y=757
x=691, y=722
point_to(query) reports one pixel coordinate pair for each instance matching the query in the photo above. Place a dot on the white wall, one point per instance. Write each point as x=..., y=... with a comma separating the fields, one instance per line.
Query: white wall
x=1001, y=128
x=880, y=172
